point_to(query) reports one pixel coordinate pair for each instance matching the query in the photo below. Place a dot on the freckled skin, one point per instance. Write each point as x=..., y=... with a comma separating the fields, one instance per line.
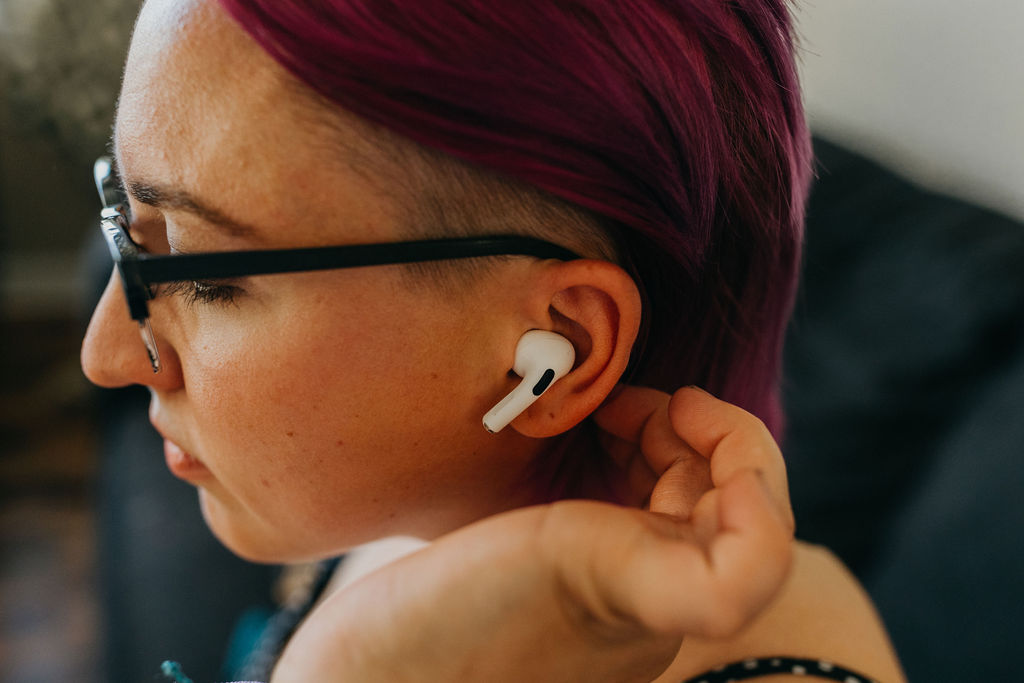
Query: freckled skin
x=323, y=385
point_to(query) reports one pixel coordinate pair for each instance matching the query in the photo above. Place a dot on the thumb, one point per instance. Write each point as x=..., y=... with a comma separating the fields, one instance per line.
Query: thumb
x=673, y=585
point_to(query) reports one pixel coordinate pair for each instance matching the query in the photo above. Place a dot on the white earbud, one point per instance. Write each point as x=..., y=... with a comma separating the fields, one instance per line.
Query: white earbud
x=542, y=357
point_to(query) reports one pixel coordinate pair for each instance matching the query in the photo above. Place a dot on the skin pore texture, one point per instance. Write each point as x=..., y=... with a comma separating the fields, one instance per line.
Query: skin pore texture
x=317, y=411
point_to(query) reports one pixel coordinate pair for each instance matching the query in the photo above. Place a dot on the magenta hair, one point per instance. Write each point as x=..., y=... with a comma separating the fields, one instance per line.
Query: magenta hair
x=678, y=120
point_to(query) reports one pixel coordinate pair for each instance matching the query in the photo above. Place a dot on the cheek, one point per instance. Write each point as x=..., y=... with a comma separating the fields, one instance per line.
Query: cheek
x=330, y=422
x=326, y=397
x=276, y=386
x=289, y=434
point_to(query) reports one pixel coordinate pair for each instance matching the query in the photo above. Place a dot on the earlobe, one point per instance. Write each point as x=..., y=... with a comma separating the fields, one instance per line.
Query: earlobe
x=596, y=306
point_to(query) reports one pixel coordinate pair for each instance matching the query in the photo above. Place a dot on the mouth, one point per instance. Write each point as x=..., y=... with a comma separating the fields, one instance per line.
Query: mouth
x=183, y=464
x=180, y=462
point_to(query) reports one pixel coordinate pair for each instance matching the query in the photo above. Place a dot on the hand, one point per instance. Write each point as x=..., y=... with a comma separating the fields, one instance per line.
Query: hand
x=664, y=447
x=579, y=590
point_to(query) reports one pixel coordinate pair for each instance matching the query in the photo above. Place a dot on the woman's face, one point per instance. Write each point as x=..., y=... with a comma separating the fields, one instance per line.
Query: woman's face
x=313, y=411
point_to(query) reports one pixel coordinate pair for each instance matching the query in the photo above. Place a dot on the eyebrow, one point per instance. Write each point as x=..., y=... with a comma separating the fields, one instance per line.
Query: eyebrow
x=159, y=196
x=162, y=197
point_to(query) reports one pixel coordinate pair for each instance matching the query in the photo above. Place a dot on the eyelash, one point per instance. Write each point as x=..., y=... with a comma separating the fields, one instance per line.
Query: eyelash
x=203, y=292
x=193, y=291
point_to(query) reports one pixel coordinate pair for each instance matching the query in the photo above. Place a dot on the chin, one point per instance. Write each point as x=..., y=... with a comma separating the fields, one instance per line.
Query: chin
x=252, y=541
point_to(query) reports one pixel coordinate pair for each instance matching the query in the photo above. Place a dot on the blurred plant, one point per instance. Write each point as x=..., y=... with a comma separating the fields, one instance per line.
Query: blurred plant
x=60, y=66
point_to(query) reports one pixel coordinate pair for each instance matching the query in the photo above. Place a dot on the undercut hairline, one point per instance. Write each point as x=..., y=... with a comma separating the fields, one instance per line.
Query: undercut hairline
x=438, y=195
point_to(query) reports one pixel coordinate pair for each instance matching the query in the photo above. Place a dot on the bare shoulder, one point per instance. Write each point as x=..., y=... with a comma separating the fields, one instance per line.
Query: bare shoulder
x=822, y=613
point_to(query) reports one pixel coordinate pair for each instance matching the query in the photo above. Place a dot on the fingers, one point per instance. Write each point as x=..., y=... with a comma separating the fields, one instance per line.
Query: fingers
x=680, y=487
x=639, y=416
x=720, y=471
x=627, y=410
x=750, y=556
x=661, y=469
x=671, y=431
x=712, y=591
x=732, y=440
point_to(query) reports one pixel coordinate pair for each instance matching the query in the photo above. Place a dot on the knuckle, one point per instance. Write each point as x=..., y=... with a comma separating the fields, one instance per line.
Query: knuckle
x=754, y=425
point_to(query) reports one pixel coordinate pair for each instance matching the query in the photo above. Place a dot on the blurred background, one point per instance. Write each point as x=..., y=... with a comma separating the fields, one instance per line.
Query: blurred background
x=104, y=559
x=933, y=89
x=59, y=67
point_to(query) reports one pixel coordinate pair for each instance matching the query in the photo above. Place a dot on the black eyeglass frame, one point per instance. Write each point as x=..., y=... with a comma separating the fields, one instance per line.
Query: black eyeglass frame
x=139, y=270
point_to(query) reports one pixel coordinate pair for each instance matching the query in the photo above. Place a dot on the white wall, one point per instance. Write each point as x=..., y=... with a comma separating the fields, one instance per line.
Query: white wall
x=932, y=88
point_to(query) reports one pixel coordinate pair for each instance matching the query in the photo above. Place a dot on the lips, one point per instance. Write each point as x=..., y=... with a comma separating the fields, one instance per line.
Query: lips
x=182, y=464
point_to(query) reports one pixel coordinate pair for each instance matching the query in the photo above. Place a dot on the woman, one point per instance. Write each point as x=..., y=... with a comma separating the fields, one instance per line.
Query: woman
x=324, y=407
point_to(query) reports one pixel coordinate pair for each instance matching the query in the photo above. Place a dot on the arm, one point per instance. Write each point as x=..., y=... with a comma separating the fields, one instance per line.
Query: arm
x=581, y=590
x=821, y=613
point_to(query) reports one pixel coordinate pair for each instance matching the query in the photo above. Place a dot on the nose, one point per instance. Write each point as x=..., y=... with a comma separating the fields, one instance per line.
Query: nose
x=113, y=354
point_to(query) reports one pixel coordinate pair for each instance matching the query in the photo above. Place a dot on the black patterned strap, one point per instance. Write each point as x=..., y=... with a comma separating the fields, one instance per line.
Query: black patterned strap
x=769, y=666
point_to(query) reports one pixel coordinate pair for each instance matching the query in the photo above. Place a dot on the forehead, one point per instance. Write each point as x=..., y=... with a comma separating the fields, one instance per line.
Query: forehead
x=182, y=82
x=205, y=109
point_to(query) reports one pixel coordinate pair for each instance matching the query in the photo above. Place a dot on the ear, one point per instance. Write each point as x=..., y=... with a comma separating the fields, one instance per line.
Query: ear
x=596, y=306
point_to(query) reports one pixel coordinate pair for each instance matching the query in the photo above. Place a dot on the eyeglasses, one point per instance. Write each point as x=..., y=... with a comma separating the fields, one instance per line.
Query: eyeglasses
x=139, y=270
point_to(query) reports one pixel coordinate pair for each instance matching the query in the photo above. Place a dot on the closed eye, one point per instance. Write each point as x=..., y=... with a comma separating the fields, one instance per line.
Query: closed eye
x=203, y=292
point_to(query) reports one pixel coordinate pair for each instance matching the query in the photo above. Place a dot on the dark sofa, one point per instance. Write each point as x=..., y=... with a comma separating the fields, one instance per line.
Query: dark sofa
x=905, y=395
